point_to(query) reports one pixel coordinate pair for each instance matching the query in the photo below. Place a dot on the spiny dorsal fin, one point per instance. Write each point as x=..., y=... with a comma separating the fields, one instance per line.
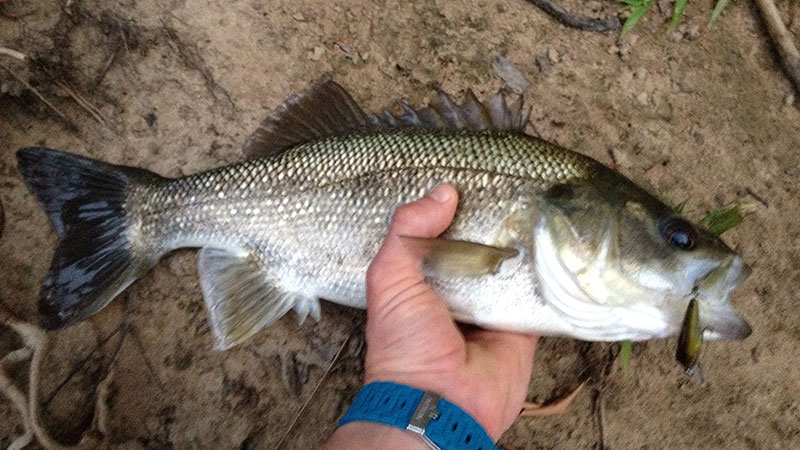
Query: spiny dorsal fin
x=325, y=109
x=496, y=113
x=321, y=110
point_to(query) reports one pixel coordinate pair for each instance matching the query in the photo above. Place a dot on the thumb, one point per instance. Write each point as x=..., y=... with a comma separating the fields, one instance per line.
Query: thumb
x=395, y=265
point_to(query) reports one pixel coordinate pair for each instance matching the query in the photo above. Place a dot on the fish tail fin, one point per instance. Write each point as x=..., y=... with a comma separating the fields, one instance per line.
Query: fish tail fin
x=97, y=255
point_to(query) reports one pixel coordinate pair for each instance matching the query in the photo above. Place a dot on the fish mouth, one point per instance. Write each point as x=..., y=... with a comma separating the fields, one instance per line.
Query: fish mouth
x=718, y=318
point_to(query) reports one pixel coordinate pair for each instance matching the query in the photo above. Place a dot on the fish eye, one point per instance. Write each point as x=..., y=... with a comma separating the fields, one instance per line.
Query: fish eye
x=679, y=233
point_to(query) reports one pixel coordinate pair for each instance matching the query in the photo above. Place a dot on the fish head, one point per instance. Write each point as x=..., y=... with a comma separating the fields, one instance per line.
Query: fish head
x=625, y=248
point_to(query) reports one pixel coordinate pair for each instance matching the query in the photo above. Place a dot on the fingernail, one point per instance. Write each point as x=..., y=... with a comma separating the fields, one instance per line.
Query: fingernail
x=440, y=193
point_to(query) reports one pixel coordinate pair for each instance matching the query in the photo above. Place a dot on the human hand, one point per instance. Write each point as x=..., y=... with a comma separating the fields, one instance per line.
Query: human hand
x=413, y=340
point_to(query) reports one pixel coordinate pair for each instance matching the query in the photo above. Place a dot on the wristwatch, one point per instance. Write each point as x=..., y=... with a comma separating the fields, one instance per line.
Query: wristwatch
x=441, y=424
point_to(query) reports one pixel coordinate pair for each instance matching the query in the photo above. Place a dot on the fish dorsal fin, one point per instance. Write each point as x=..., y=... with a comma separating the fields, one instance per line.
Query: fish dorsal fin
x=321, y=110
x=458, y=258
x=239, y=296
x=325, y=109
x=501, y=112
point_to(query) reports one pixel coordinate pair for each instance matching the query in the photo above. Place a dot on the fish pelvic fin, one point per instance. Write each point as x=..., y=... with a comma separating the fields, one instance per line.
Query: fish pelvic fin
x=96, y=257
x=325, y=109
x=240, y=297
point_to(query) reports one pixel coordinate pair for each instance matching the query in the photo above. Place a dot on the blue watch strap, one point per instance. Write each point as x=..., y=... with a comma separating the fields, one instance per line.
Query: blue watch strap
x=438, y=421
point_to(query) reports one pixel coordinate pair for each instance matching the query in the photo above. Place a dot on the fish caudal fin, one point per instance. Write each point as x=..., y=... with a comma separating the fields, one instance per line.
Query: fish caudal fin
x=239, y=295
x=96, y=257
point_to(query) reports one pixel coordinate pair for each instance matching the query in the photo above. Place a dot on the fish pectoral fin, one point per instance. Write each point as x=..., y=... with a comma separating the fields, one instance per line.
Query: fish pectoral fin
x=458, y=258
x=239, y=296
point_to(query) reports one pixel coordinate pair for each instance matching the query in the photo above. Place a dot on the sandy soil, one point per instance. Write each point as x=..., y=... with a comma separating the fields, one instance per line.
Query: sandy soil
x=698, y=113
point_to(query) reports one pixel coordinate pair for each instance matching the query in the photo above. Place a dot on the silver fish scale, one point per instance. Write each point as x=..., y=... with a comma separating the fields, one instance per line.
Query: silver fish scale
x=315, y=214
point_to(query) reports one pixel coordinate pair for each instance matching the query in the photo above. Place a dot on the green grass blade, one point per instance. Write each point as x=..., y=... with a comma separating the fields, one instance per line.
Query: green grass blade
x=637, y=12
x=680, y=5
x=625, y=356
x=720, y=220
x=681, y=206
x=717, y=11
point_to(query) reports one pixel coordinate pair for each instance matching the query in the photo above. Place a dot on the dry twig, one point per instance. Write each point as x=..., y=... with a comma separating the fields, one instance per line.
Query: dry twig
x=314, y=392
x=83, y=103
x=782, y=40
x=39, y=95
x=12, y=53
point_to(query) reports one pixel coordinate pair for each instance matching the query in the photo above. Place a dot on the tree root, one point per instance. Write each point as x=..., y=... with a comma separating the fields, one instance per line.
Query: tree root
x=35, y=344
x=610, y=23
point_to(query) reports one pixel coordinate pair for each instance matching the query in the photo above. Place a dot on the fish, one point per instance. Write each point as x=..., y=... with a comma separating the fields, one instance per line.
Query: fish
x=545, y=240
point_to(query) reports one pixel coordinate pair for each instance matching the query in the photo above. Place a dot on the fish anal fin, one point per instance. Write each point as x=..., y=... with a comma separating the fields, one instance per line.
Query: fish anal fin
x=458, y=258
x=239, y=296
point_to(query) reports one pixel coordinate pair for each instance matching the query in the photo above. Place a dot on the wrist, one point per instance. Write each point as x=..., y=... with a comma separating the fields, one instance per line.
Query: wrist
x=428, y=417
x=372, y=435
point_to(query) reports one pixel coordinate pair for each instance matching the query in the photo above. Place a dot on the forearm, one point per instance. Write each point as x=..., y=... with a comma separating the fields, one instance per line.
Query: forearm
x=372, y=435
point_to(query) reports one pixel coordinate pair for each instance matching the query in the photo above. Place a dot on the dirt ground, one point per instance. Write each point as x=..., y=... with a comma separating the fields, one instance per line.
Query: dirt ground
x=698, y=113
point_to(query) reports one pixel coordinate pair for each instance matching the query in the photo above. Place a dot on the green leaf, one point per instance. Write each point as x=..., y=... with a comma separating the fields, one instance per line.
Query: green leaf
x=720, y=220
x=680, y=5
x=625, y=356
x=637, y=11
x=717, y=11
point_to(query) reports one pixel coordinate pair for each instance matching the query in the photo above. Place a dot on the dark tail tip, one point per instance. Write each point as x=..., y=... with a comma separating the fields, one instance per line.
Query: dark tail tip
x=94, y=260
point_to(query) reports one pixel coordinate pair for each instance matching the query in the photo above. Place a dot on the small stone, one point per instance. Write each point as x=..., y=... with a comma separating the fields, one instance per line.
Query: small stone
x=789, y=100
x=542, y=62
x=563, y=53
x=316, y=54
x=613, y=50
x=665, y=7
x=347, y=49
x=150, y=119
x=298, y=16
x=553, y=55
x=640, y=73
x=642, y=98
x=692, y=33
x=593, y=5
